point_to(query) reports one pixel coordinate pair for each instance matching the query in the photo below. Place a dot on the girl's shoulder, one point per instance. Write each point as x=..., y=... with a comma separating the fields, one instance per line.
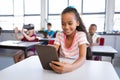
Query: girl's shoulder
x=60, y=33
x=80, y=33
x=34, y=35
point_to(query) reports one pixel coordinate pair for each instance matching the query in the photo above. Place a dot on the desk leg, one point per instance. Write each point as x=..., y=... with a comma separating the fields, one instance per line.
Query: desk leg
x=25, y=53
x=112, y=59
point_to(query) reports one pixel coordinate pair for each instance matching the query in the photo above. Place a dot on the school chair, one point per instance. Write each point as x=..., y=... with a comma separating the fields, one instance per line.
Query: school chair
x=102, y=41
x=89, y=54
x=99, y=58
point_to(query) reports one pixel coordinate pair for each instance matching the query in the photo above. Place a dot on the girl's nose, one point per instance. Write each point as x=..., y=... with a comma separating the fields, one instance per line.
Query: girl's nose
x=66, y=26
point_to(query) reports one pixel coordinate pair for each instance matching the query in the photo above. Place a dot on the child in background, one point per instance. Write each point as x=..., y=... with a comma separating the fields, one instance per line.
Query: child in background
x=72, y=41
x=95, y=37
x=50, y=33
x=28, y=36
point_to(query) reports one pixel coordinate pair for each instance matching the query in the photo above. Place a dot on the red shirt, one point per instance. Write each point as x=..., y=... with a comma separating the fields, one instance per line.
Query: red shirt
x=35, y=40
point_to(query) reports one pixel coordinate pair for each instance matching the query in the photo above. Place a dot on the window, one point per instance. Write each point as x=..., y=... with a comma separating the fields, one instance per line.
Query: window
x=54, y=12
x=18, y=19
x=93, y=6
x=17, y=12
x=6, y=14
x=117, y=5
x=55, y=9
x=94, y=13
x=56, y=22
x=77, y=4
x=32, y=7
x=116, y=26
x=6, y=7
x=33, y=20
x=32, y=10
x=56, y=6
x=91, y=19
x=6, y=22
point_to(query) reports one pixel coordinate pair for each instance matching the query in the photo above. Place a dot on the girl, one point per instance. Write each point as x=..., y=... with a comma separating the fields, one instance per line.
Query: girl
x=72, y=41
x=28, y=36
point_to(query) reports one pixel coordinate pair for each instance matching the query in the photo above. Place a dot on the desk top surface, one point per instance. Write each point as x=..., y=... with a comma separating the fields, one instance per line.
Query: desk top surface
x=17, y=43
x=30, y=69
x=45, y=39
x=103, y=49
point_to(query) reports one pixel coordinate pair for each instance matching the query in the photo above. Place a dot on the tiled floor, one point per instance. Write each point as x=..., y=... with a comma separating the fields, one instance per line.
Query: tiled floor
x=6, y=58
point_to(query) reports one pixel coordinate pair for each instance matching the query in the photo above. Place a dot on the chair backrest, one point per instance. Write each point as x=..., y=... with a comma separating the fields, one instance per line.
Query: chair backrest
x=89, y=53
x=51, y=42
x=102, y=41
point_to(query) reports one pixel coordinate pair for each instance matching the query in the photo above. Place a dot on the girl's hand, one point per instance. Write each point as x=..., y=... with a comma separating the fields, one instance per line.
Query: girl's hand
x=16, y=30
x=22, y=31
x=61, y=67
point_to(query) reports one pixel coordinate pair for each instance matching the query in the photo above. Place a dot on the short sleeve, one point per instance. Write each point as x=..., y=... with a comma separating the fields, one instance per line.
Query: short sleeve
x=82, y=38
x=57, y=38
x=52, y=33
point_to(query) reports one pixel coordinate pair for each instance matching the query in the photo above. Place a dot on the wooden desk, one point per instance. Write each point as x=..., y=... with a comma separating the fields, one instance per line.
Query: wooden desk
x=30, y=69
x=12, y=44
x=104, y=51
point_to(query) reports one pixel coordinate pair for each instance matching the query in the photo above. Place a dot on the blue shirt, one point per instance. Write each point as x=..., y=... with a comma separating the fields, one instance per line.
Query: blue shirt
x=50, y=33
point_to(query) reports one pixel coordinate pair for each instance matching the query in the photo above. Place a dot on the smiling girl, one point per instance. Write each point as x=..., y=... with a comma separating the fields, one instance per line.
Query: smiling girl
x=72, y=41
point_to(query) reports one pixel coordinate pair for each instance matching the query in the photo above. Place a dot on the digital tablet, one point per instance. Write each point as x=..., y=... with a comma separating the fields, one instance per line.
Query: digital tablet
x=46, y=54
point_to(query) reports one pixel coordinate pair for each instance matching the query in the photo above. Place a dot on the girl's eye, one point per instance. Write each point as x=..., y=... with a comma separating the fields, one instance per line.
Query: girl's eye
x=63, y=24
x=70, y=23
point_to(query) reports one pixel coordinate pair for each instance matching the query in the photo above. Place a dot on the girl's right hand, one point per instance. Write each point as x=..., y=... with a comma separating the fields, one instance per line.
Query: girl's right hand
x=61, y=67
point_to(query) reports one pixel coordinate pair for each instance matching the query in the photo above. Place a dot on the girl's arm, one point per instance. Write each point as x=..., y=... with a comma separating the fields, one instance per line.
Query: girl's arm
x=63, y=67
x=97, y=42
x=27, y=37
x=82, y=57
x=16, y=34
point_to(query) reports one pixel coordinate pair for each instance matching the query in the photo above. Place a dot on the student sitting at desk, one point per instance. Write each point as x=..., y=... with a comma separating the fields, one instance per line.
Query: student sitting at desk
x=72, y=41
x=28, y=36
x=50, y=33
x=95, y=38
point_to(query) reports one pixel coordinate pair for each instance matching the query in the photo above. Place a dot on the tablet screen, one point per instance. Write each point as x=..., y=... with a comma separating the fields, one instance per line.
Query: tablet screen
x=46, y=55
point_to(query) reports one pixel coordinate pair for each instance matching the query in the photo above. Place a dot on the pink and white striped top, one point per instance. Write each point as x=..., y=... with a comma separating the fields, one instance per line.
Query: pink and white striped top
x=73, y=51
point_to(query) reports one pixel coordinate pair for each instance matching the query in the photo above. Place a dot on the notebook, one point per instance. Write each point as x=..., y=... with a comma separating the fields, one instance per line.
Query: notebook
x=46, y=54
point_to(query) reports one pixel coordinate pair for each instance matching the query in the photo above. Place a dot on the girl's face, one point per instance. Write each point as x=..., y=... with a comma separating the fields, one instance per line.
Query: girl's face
x=30, y=32
x=69, y=23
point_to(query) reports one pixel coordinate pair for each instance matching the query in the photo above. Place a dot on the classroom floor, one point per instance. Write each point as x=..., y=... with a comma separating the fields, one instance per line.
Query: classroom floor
x=6, y=60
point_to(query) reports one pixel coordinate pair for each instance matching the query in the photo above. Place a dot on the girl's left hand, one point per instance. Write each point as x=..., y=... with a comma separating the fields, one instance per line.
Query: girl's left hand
x=61, y=67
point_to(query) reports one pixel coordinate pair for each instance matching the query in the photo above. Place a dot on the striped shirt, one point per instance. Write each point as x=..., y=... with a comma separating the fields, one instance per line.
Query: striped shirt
x=73, y=51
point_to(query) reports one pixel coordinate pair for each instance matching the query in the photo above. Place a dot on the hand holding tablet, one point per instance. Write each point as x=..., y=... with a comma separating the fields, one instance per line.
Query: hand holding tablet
x=46, y=55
